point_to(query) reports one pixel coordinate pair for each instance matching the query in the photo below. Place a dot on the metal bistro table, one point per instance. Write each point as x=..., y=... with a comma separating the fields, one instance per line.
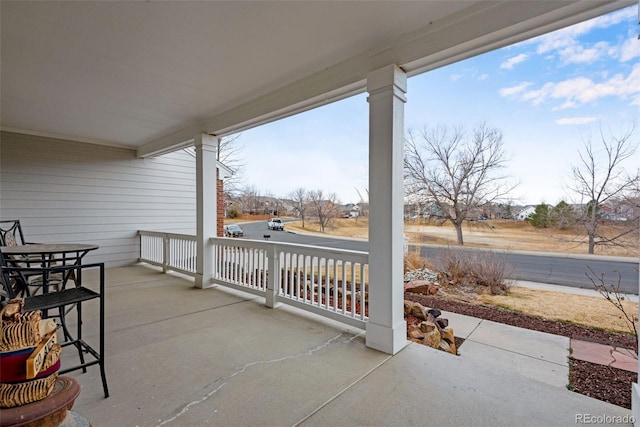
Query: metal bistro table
x=45, y=255
x=69, y=251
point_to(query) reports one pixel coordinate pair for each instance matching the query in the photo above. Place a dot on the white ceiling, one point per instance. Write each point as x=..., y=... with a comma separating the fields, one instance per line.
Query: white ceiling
x=150, y=75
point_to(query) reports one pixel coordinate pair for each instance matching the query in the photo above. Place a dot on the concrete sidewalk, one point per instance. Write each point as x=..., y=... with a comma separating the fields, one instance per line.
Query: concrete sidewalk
x=181, y=356
x=504, y=376
x=536, y=355
x=568, y=289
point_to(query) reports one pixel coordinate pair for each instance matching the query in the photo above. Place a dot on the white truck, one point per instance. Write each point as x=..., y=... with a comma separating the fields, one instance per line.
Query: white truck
x=275, y=224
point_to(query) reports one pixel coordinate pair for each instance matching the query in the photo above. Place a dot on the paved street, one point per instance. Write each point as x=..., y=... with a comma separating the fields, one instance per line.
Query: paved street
x=558, y=269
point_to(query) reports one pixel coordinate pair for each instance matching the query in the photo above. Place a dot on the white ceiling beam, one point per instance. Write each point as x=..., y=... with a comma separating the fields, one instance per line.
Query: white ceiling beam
x=172, y=142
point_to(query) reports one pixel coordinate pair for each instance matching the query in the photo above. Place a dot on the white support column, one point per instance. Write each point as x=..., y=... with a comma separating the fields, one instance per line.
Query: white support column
x=386, y=329
x=206, y=149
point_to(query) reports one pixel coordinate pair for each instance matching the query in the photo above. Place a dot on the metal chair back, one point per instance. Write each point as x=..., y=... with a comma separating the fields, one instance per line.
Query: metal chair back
x=7, y=290
x=11, y=233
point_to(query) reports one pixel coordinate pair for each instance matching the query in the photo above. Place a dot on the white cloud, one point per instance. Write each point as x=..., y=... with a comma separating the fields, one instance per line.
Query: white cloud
x=511, y=62
x=468, y=73
x=577, y=54
x=567, y=36
x=565, y=45
x=576, y=120
x=580, y=90
x=514, y=90
x=628, y=50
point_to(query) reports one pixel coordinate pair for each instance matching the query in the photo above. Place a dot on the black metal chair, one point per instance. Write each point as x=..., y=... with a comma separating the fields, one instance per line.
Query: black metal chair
x=58, y=301
x=11, y=234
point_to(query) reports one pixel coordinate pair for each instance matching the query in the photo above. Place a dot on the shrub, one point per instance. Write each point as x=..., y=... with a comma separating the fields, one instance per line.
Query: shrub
x=541, y=218
x=483, y=269
x=413, y=261
x=232, y=213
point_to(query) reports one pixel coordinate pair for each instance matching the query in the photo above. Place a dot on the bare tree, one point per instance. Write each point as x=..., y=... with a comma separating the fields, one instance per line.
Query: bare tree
x=363, y=199
x=270, y=204
x=562, y=215
x=300, y=198
x=249, y=197
x=363, y=204
x=230, y=155
x=600, y=177
x=456, y=170
x=325, y=207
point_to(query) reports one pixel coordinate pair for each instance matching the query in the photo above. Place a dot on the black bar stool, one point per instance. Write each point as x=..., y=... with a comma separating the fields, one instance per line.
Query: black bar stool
x=73, y=296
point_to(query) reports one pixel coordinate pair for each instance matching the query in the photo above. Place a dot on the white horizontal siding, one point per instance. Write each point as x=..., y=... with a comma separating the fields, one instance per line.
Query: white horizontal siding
x=65, y=191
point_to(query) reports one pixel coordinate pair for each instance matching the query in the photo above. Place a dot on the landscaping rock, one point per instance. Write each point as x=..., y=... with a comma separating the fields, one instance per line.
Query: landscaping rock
x=445, y=346
x=419, y=311
x=415, y=334
x=408, y=305
x=431, y=333
x=435, y=312
x=421, y=274
x=422, y=287
x=448, y=336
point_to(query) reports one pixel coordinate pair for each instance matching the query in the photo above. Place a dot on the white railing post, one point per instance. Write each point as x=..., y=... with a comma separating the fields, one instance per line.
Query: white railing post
x=166, y=253
x=273, y=280
x=169, y=251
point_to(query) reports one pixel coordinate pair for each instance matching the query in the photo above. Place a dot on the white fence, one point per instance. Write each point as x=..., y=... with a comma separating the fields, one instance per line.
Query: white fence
x=170, y=251
x=329, y=282
x=325, y=281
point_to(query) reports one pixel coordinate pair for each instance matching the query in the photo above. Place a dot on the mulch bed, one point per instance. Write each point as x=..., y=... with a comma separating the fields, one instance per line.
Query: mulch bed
x=600, y=382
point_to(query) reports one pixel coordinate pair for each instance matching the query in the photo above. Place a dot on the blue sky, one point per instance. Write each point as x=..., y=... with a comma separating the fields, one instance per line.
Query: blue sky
x=546, y=95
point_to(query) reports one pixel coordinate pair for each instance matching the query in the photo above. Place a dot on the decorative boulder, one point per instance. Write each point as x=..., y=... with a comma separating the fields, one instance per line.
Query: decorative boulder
x=431, y=333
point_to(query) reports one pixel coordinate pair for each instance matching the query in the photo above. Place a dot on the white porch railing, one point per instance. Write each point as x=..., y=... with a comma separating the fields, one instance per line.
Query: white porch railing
x=325, y=281
x=170, y=251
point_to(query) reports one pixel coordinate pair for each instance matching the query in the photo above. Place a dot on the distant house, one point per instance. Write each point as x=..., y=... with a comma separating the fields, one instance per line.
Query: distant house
x=288, y=207
x=351, y=210
x=613, y=212
x=423, y=210
x=525, y=213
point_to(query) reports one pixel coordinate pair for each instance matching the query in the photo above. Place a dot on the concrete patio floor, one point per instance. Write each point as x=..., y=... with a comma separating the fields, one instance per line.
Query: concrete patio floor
x=181, y=356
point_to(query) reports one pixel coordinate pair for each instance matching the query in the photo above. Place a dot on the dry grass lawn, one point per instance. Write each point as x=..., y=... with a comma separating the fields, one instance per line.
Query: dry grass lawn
x=344, y=227
x=582, y=310
x=520, y=235
x=493, y=234
x=514, y=235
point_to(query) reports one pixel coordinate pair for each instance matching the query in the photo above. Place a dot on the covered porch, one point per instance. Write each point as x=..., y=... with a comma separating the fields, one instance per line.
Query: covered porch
x=147, y=79
x=94, y=93
x=177, y=355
